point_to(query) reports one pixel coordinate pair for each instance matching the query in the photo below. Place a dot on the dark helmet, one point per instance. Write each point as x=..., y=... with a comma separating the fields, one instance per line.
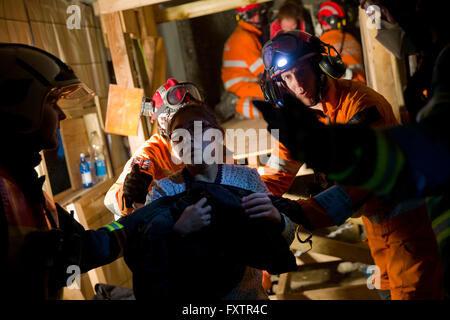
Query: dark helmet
x=287, y=49
x=29, y=78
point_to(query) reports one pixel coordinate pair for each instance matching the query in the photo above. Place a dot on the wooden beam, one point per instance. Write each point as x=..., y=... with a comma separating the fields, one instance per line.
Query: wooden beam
x=200, y=8
x=147, y=22
x=382, y=67
x=354, y=252
x=119, y=45
x=129, y=23
x=110, y=6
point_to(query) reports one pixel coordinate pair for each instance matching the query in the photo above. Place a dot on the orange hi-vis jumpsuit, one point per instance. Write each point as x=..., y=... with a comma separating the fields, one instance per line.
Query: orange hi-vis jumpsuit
x=241, y=65
x=400, y=235
x=350, y=51
x=154, y=158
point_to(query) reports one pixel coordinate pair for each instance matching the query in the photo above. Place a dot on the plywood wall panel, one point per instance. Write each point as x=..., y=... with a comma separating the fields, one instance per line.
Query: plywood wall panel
x=13, y=10
x=100, y=84
x=18, y=32
x=2, y=10
x=4, y=36
x=45, y=38
x=34, y=10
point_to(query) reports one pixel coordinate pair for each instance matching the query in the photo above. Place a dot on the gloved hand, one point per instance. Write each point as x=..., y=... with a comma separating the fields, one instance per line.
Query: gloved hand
x=297, y=124
x=135, y=186
x=327, y=149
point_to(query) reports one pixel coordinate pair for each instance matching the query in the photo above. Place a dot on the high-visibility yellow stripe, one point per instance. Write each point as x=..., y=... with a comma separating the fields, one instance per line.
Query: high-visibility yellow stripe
x=113, y=226
x=400, y=161
x=110, y=228
x=381, y=165
x=119, y=226
x=443, y=235
x=440, y=219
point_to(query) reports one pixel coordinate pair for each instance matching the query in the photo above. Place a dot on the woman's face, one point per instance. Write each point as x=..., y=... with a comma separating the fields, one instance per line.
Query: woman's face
x=195, y=141
x=288, y=24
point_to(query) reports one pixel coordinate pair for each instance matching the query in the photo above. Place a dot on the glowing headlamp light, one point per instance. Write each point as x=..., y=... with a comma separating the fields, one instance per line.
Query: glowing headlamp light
x=282, y=62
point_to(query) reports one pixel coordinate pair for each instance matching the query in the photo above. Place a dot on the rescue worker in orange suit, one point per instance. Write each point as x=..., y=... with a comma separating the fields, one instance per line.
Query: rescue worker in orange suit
x=297, y=64
x=333, y=20
x=40, y=239
x=241, y=61
x=153, y=159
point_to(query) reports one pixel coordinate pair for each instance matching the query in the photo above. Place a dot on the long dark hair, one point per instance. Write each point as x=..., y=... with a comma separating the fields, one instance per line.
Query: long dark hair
x=291, y=9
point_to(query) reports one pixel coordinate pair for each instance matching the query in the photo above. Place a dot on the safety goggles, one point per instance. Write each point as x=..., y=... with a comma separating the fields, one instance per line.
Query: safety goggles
x=283, y=52
x=176, y=96
x=70, y=96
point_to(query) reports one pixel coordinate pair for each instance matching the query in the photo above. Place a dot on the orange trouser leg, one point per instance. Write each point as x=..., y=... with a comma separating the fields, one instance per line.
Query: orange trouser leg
x=380, y=252
x=406, y=248
x=266, y=281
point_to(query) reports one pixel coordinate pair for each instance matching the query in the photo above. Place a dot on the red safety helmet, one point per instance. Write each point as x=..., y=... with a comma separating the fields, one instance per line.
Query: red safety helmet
x=248, y=7
x=331, y=14
x=247, y=12
x=169, y=98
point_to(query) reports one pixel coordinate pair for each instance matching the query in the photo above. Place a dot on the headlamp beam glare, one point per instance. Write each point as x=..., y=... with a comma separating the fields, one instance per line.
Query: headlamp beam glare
x=281, y=62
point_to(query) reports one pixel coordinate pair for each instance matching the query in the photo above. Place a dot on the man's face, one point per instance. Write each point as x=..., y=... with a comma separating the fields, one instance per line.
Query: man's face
x=301, y=81
x=51, y=116
x=256, y=20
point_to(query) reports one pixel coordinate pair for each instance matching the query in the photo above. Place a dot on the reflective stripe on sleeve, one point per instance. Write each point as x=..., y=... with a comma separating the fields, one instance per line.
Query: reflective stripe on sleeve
x=246, y=107
x=356, y=66
x=282, y=165
x=228, y=84
x=113, y=226
x=441, y=226
x=256, y=65
x=235, y=64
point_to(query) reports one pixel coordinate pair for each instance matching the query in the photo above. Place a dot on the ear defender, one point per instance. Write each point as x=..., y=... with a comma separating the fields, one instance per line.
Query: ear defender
x=332, y=66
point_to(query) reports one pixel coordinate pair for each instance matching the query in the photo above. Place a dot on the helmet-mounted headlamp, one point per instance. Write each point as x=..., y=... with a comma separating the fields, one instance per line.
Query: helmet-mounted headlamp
x=287, y=49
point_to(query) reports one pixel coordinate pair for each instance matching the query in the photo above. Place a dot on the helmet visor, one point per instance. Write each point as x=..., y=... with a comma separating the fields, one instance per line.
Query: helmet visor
x=284, y=45
x=178, y=93
x=287, y=49
x=70, y=96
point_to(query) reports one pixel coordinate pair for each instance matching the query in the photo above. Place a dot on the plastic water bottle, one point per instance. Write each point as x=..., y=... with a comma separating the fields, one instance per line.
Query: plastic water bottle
x=99, y=157
x=89, y=157
x=86, y=177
